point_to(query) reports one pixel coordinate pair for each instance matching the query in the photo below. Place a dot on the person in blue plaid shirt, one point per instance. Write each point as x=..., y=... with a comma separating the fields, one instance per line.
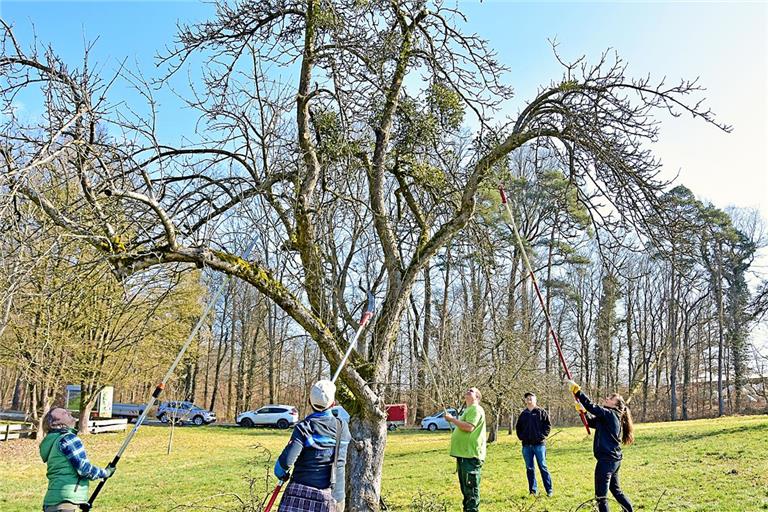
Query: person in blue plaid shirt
x=69, y=470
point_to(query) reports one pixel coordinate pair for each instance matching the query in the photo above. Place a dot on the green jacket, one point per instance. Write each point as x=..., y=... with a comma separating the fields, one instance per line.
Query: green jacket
x=64, y=484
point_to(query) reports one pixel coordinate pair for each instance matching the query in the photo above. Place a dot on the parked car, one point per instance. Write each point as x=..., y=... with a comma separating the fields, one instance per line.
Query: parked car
x=184, y=412
x=130, y=411
x=280, y=416
x=437, y=421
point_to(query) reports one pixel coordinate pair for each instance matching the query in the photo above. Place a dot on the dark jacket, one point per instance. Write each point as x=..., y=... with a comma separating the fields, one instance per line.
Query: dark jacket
x=607, y=424
x=533, y=426
x=310, y=452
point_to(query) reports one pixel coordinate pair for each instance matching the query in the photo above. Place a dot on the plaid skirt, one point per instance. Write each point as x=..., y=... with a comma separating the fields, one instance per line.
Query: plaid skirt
x=302, y=498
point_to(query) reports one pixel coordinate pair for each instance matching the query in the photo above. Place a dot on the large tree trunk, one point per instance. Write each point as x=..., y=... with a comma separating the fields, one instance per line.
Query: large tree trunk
x=189, y=372
x=421, y=395
x=271, y=356
x=630, y=344
x=46, y=405
x=209, y=350
x=235, y=310
x=646, y=377
x=421, y=410
x=511, y=297
x=720, y=346
x=85, y=414
x=193, y=389
x=17, y=392
x=87, y=401
x=365, y=461
x=673, y=352
x=240, y=383
x=496, y=412
x=222, y=350
x=245, y=350
x=252, y=365
x=686, y=365
x=220, y=354
x=550, y=254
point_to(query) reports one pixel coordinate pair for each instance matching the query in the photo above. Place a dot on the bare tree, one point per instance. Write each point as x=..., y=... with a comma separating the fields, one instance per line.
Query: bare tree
x=365, y=181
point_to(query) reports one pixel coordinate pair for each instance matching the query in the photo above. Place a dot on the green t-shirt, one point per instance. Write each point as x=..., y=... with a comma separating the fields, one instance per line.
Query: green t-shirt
x=470, y=445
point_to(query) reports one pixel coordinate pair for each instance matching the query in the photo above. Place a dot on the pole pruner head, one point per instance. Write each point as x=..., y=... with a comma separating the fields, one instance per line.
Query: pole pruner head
x=369, y=309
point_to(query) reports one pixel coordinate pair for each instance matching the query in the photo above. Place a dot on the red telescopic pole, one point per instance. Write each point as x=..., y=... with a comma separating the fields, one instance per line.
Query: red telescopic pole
x=274, y=496
x=551, y=328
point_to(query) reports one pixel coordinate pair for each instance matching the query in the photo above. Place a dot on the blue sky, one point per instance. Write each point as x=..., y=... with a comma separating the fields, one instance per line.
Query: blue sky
x=725, y=43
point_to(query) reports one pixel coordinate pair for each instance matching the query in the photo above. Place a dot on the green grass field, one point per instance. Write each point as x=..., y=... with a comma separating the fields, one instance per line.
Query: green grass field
x=704, y=465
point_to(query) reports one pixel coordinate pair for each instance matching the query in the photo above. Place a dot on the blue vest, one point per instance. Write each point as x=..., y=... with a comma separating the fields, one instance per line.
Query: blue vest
x=311, y=452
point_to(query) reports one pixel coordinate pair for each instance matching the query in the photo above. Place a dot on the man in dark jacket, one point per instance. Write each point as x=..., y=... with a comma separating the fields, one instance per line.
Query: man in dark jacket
x=69, y=470
x=532, y=428
x=317, y=452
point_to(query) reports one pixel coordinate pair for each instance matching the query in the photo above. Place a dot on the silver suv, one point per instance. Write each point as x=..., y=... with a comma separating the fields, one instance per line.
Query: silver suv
x=184, y=412
x=280, y=416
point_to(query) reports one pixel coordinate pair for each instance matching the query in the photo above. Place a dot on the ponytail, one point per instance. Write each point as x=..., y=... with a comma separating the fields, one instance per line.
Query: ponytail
x=627, y=426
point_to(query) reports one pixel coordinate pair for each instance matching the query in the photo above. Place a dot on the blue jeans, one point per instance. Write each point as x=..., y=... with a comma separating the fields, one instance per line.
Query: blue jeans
x=539, y=451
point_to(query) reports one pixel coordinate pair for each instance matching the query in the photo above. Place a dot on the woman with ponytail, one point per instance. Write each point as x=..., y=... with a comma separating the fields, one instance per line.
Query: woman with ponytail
x=613, y=427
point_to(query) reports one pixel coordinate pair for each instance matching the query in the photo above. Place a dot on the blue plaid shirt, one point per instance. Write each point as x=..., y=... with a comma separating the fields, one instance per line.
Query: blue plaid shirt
x=72, y=448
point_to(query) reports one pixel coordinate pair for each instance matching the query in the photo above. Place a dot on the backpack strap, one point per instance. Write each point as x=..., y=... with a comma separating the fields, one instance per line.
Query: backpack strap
x=339, y=427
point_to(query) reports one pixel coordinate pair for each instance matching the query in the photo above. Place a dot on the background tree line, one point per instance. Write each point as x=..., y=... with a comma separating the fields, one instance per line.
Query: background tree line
x=668, y=324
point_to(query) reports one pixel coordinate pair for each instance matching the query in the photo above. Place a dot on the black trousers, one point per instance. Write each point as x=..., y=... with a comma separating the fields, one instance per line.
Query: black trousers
x=607, y=477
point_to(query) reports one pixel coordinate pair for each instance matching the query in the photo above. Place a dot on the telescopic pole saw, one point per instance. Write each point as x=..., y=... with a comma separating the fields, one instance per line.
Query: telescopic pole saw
x=518, y=238
x=367, y=315
x=159, y=388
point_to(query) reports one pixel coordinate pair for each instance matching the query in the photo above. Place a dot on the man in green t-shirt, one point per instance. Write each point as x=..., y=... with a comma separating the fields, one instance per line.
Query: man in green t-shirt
x=468, y=446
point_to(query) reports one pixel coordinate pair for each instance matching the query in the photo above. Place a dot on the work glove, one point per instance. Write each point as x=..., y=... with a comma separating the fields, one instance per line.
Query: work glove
x=280, y=473
x=579, y=408
x=575, y=388
x=109, y=470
